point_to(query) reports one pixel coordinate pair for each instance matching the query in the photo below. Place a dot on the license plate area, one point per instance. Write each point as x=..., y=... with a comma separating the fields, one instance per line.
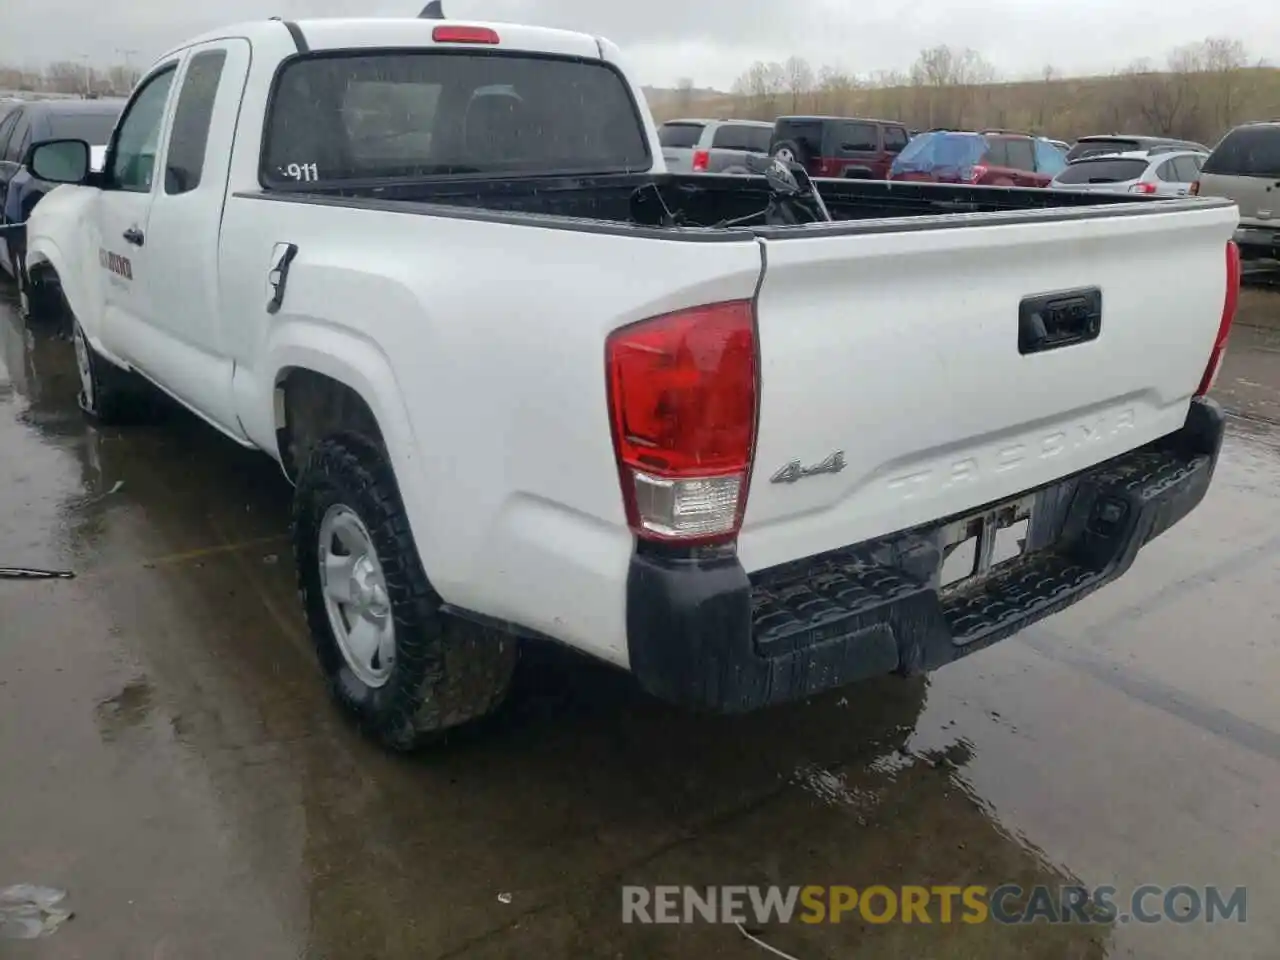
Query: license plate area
x=977, y=545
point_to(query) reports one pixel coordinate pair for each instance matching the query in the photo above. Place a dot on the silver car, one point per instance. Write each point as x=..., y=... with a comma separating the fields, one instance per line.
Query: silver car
x=712, y=146
x=1245, y=167
x=1160, y=174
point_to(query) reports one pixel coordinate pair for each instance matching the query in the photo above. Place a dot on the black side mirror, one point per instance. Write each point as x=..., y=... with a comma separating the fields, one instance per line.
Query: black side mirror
x=59, y=161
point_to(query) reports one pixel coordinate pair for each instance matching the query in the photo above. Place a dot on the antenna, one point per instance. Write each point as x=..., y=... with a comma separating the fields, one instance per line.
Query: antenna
x=432, y=11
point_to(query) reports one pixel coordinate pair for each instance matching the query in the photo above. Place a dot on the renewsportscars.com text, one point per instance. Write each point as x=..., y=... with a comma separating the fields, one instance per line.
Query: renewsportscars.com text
x=1006, y=904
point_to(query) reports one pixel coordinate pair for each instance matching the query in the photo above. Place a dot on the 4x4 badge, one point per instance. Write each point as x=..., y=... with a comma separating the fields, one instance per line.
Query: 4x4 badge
x=795, y=470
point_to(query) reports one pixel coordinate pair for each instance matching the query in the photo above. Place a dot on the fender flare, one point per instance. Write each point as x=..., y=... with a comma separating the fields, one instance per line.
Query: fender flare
x=356, y=362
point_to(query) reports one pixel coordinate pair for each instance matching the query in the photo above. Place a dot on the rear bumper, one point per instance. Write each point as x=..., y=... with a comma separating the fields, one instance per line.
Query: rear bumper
x=702, y=632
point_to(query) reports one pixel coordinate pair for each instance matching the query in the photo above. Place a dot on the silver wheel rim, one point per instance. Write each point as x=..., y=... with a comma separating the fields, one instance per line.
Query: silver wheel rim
x=785, y=155
x=355, y=596
x=82, y=366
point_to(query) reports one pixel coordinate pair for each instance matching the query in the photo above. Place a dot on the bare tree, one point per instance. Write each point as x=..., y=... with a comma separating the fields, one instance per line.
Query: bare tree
x=684, y=94
x=836, y=91
x=799, y=80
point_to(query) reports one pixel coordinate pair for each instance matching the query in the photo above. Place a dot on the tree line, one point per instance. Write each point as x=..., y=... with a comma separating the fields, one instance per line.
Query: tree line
x=69, y=77
x=1198, y=92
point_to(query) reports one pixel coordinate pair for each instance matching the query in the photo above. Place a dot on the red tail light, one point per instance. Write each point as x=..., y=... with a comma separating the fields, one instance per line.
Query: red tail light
x=977, y=173
x=1143, y=187
x=701, y=158
x=464, y=35
x=1230, y=302
x=682, y=401
x=1195, y=188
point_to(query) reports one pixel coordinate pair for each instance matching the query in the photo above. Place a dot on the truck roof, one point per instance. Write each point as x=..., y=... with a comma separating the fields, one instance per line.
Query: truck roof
x=348, y=33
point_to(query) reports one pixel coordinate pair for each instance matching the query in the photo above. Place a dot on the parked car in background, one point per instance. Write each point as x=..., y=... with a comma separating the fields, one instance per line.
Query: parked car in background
x=1128, y=143
x=1061, y=145
x=1245, y=167
x=30, y=122
x=990, y=159
x=1159, y=174
x=839, y=146
x=712, y=146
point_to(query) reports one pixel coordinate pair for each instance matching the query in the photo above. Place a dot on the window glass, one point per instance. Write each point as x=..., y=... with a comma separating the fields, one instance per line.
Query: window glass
x=1022, y=155
x=404, y=114
x=859, y=137
x=1104, y=170
x=184, y=161
x=1049, y=159
x=137, y=141
x=738, y=136
x=1247, y=152
x=680, y=136
x=19, y=139
x=895, y=138
x=93, y=128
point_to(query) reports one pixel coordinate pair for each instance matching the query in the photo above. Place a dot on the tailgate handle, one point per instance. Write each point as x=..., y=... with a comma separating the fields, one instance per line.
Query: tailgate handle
x=1050, y=321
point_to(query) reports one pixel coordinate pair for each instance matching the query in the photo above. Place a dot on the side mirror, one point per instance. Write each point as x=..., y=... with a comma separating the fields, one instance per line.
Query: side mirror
x=60, y=161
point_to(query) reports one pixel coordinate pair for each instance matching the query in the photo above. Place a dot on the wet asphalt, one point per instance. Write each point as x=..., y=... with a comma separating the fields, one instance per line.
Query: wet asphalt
x=167, y=753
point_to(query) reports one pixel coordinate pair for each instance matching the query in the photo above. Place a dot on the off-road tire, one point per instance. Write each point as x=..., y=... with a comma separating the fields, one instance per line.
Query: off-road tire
x=39, y=299
x=109, y=394
x=447, y=672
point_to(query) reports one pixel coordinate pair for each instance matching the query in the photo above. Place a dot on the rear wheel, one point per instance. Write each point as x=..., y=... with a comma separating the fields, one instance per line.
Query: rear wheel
x=404, y=671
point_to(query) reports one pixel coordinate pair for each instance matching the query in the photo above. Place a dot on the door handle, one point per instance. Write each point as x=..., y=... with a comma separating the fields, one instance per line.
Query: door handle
x=135, y=236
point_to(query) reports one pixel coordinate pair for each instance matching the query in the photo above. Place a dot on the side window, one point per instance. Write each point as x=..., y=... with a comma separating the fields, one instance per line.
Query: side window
x=6, y=128
x=1166, y=172
x=1022, y=155
x=1049, y=159
x=137, y=138
x=184, y=162
x=730, y=136
x=997, y=153
x=859, y=138
x=895, y=138
x=19, y=139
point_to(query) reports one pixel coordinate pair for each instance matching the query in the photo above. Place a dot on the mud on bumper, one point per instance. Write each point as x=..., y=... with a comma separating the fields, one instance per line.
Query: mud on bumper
x=701, y=632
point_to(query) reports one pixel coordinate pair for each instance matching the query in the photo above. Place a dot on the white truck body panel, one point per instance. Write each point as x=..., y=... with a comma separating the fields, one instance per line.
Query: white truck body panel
x=478, y=346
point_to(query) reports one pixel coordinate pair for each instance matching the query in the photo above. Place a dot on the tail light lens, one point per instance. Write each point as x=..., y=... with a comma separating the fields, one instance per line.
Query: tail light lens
x=977, y=172
x=682, y=398
x=464, y=35
x=1230, y=302
x=1195, y=188
x=701, y=159
x=1142, y=187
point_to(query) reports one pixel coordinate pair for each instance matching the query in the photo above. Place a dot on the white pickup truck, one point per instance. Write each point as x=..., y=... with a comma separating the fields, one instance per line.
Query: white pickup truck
x=528, y=384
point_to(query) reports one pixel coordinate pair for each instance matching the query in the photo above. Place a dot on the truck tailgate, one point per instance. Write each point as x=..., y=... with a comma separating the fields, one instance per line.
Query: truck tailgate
x=897, y=354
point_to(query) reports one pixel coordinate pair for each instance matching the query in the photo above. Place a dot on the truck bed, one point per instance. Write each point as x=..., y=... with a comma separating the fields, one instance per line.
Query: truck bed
x=702, y=201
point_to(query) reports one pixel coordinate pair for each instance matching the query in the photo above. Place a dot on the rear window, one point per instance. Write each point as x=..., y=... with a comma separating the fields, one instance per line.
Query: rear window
x=940, y=151
x=737, y=136
x=1091, y=148
x=1109, y=170
x=680, y=136
x=383, y=116
x=1247, y=152
x=93, y=128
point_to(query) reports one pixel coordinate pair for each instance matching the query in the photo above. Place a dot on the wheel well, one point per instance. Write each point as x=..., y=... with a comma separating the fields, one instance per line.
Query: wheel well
x=311, y=406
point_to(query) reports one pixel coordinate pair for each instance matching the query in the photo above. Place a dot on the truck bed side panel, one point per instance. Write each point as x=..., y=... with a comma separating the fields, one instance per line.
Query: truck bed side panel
x=490, y=347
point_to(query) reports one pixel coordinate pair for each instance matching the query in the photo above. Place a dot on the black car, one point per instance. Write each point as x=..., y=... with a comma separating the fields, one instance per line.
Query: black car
x=1126, y=143
x=24, y=124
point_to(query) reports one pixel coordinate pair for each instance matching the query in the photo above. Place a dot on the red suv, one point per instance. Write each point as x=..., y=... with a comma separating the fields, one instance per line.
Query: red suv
x=838, y=146
x=992, y=158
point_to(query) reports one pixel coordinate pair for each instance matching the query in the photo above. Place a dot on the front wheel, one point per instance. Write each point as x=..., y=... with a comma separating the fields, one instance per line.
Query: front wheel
x=108, y=394
x=402, y=669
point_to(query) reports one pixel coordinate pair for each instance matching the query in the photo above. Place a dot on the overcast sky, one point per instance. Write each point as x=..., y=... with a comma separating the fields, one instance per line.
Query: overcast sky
x=711, y=41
